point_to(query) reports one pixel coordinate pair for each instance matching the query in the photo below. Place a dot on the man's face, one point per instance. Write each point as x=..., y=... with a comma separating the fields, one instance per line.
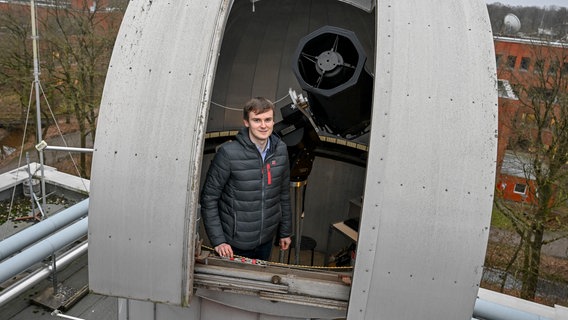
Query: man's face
x=260, y=125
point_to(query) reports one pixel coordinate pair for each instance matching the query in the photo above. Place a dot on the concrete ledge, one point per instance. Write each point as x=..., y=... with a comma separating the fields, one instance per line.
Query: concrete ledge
x=52, y=176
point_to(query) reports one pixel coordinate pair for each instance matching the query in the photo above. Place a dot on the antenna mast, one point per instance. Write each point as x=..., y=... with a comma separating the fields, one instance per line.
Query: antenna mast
x=37, y=97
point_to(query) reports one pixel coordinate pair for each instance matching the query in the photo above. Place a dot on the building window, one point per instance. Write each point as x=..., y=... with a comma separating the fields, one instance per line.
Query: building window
x=543, y=95
x=539, y=66
x=498, y=59
x=553, y=69
x=520, y=188
x=511, y=61
x=525, y=63
x=565, y=69
x=528, y=119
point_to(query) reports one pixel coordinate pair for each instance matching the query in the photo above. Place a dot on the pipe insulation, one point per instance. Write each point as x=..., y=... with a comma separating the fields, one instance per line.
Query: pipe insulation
x=26, y=283
x=493, y=311
x=32, y=234
x=42, y=249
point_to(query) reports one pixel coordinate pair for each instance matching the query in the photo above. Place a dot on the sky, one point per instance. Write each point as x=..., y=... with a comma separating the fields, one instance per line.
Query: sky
x=532, y=3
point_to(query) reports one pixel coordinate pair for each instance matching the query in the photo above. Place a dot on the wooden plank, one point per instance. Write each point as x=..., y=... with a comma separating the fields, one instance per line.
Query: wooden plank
x=343, y=228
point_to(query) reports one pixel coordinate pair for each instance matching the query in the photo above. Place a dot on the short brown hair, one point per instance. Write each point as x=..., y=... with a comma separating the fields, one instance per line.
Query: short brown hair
x=257, y=105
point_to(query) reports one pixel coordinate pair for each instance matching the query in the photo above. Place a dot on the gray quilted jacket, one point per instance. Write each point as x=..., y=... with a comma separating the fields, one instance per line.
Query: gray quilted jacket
x=245, y=200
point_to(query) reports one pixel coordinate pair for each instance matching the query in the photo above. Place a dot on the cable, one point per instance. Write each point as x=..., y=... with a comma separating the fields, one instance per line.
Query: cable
x=63, y=139
x=240, y=109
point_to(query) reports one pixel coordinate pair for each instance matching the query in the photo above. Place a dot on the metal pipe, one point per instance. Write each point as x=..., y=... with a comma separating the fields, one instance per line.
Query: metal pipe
x=42, y=229
x=37, y=97
x=24, y=284
x=59, y=314
x=30, y=185
x=484, y=309
x=297, y=186
x=70, y=149
x=298, y=213
x=37, y=252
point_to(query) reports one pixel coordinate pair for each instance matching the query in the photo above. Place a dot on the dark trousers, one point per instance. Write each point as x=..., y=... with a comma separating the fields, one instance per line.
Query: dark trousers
x=261, y=252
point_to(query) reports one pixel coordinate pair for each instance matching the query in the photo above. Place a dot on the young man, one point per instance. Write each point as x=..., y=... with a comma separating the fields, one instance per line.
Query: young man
x=245, y=200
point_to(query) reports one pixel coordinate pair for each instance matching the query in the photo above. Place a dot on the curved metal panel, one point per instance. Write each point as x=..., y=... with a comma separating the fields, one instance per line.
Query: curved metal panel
x=431, y=169
x=148, y=148
x=367, y=5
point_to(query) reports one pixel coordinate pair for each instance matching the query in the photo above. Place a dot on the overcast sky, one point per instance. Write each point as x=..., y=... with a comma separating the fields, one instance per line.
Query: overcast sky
x=532, y=3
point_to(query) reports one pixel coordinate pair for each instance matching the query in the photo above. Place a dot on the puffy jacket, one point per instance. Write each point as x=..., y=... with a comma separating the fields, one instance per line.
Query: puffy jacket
x=246, y=200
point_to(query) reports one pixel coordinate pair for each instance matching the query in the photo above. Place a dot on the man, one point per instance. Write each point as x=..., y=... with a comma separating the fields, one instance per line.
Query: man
x=245, y=200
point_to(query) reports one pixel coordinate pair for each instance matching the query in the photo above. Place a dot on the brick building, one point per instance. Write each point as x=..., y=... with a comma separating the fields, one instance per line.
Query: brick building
x=521, y=63
x=58, y=3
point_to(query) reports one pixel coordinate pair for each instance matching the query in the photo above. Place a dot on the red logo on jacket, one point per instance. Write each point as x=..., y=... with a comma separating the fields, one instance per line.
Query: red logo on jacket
x=268, y=174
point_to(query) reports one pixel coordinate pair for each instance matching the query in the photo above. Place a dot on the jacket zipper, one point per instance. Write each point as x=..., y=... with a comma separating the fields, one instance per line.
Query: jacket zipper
x=261, y=204
x=263, y=187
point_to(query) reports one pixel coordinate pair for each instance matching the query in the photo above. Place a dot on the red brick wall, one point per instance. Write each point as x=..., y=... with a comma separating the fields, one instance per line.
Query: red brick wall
x=506, y=189
x=509, y=108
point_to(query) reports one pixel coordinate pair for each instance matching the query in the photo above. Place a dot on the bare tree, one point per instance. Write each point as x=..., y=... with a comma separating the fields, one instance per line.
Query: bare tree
x=75, y=46
x=80, y=42
x=16, y=64
x=539, y=142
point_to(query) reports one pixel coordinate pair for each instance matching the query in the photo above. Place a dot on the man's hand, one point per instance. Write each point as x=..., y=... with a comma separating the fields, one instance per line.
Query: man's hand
x=224, y=250
x=285, y=243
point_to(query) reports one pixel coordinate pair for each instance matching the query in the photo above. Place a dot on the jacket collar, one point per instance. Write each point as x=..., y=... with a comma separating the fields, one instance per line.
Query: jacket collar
x=244, y=138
